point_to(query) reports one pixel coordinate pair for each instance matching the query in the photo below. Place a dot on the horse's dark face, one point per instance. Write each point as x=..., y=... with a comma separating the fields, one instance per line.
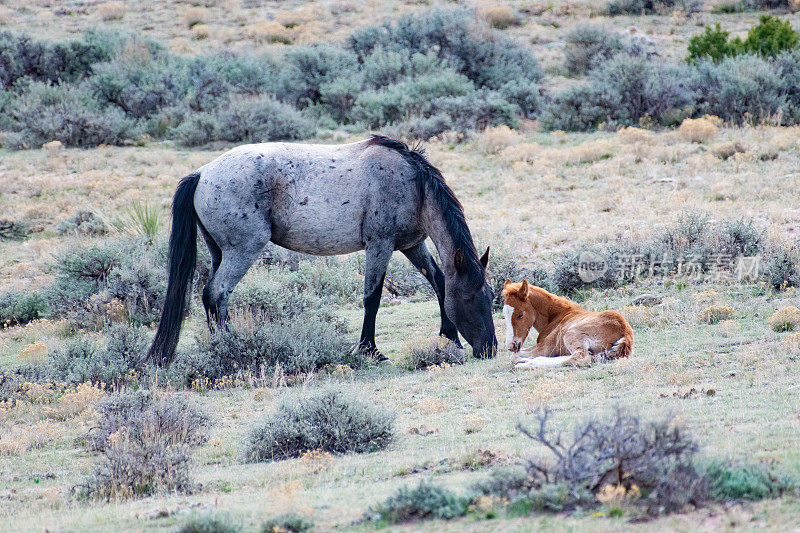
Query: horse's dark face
x=470, y=309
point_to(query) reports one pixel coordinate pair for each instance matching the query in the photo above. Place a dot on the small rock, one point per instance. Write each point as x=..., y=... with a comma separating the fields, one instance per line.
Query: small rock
x=647, y=300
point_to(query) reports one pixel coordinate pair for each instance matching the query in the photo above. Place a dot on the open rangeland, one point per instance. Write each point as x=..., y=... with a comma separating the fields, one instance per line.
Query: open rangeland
x=732, y=383
x=599, y=217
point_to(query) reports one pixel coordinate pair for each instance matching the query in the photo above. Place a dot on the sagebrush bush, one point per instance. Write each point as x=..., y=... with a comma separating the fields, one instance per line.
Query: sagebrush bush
x=145, y=445
x=210, y=523
x=66, y=113
x=439, y=352
x=18, y=308
x=110, y=281
x=425, y=501
x=108, y=360
x=715, y=314
x=570, y=271
x=329, y=420
x=83, y=222
x=588, y=45
x=657, y=457
x=287, y=523
x=13, y=230
x=746, y=482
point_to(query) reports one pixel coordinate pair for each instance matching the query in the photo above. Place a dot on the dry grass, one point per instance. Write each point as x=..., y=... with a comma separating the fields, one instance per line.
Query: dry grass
x=701, y=130
x=111, y=10
x=785, y=319
x=498, y=16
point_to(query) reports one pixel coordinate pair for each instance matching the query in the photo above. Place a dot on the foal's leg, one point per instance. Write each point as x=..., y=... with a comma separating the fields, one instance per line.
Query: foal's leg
x=578, y=344
x=422, y=259
x=378, y=255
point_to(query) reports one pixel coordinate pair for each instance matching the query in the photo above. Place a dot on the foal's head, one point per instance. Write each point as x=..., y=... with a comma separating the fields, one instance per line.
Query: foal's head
x=519, y=313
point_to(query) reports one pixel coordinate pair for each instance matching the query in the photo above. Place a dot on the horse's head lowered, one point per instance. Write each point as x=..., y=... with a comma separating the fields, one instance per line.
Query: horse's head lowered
x=519, y=314
x=469, y=306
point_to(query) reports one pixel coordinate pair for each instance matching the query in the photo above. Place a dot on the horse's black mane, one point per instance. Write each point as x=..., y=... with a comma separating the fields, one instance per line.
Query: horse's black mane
x=452, y=211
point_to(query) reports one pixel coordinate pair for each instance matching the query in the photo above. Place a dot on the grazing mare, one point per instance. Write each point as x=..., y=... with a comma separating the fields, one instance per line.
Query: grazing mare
x=568, y=334
x=376, y=195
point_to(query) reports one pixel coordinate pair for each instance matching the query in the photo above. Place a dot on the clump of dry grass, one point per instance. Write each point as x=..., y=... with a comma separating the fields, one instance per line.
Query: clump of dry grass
x=520, y=153
x=728, y=149
x=268, y=31
x=636, y=136
x=20, y=438
x=588, y=152
x=699, y=130
x=498, y=16
x=715, y=314
x=495, y=139
x=194, y=15
x=111, y=10
x=201, y=31
x=421, y=354
x=785, y=319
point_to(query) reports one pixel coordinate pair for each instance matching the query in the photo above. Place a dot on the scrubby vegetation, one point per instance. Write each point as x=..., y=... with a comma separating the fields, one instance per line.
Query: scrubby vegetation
x=289, y=522
x=145, y=445
x=330, y=420
x=425, y=501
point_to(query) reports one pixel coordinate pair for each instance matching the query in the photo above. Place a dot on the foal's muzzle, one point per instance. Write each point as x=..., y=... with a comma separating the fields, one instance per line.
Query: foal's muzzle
x=514, y=346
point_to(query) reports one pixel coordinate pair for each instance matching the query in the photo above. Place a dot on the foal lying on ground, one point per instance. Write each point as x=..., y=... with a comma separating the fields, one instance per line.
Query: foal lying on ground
x=568, y=334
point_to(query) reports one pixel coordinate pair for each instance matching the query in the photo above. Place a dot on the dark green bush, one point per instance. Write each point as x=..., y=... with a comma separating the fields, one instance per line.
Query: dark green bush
x=423, y=502
x=145, y=445
x=64, y=112
x=713, y=43
x=18, y=308
x=329, y=420
x=746, y=482
x=287, y=523
x=588, y=45
x=768, y=38
x=590, y=266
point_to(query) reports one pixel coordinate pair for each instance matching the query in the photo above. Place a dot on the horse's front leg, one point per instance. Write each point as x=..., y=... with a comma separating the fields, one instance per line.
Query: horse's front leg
x=378, y=255
x=422, y=259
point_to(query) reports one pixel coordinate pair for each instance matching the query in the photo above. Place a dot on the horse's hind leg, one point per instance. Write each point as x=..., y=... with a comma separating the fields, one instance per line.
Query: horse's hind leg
x=234, y=265
x=216, y=259
x=422, y=259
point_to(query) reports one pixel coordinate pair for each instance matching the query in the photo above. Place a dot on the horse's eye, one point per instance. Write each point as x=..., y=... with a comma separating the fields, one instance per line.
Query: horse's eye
x=520, y=315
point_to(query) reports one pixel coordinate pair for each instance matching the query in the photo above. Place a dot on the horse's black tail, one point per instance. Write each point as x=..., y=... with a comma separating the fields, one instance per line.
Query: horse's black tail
x=180, y=267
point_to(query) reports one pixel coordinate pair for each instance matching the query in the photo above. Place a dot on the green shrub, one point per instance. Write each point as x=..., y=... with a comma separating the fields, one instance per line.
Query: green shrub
x=585, y=267
x=745, y=482
x=287, y=523
x=67, y=113
x=329, y=420
x=210, y=523
x=768, y=38
x=713, y=43
x=82, y=223
x=145, y=445
x=781, y=267
x=588, y=45
x=423, y=502
x=18, y=308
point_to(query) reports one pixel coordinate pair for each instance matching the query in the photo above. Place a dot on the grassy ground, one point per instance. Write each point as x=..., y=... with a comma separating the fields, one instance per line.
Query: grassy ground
x=581, y=188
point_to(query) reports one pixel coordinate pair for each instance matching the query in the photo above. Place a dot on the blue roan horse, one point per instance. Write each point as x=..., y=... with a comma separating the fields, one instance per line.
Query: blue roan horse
x=375, y=195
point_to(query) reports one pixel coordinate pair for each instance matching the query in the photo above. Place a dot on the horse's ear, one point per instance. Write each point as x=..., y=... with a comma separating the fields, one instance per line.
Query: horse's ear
x=460, y=261
x=485, y=258
x=523, y=290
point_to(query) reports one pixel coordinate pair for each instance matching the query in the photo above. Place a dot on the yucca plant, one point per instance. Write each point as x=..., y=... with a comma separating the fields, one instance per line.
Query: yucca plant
x=141, y=220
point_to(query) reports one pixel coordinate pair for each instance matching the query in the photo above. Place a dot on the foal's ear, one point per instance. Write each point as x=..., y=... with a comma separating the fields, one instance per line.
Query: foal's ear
x=460, y=262
x=523, y=290
x=507, y=282
x=485, y=258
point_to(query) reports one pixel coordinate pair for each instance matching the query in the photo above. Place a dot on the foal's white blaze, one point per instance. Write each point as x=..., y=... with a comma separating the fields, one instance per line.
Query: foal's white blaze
x=508, y=312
